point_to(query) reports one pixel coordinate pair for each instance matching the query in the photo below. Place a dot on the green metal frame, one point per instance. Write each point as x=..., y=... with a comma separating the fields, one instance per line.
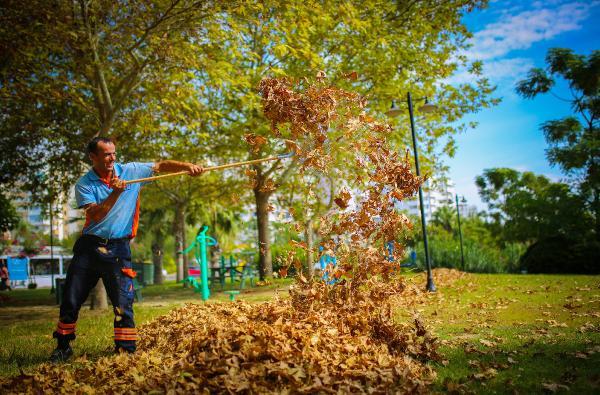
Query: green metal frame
x=199, y=246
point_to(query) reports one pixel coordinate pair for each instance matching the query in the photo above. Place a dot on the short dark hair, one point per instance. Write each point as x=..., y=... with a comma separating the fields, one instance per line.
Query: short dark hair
x=93, y=144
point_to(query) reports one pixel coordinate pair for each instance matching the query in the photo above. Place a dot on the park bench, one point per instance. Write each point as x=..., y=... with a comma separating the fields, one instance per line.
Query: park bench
x=236, y=271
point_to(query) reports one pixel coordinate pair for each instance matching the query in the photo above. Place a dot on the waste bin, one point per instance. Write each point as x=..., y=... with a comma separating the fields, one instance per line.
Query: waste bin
x=59, y=287
x=138, y=267
x=148, y=273
x=145, y=272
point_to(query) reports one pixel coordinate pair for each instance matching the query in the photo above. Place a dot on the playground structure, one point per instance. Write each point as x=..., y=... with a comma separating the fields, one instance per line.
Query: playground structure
x=233, y=266
x=199, y=246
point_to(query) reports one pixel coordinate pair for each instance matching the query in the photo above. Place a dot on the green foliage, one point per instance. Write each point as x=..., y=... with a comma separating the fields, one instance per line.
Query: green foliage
x=444, y=249
x=562, y=255
x=31, y=241
x=178, y=79
x=281, y=245
x=8, y=215
x=445, y=217
x=483, y=250
x=72, y=70
x=573, y=141
x=527, y=207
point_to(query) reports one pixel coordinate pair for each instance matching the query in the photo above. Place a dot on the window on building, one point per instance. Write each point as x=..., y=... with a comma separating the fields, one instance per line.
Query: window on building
x=42, y=267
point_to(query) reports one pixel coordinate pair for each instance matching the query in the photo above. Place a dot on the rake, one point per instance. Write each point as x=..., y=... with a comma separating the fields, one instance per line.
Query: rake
x=220, y=167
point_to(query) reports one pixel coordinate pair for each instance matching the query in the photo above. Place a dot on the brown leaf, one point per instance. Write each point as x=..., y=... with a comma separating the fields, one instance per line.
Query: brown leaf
x=352, y=76
x=343, y=199
x=255, y=141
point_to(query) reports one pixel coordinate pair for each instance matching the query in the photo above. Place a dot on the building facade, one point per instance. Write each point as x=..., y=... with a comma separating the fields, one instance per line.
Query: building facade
x=436, y=193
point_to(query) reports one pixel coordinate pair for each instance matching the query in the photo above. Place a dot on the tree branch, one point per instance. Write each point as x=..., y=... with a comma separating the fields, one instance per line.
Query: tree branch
x=106, y=102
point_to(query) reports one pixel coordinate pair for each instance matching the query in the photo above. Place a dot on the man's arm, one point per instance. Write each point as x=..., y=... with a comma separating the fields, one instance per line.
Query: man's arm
x=171, y=166
x=98, y=211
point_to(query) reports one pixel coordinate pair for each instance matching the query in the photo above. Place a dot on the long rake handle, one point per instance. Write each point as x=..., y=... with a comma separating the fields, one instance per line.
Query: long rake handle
x=221, y=167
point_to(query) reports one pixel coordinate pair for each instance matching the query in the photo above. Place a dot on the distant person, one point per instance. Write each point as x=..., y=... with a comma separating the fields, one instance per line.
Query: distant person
x=112, y=211
x=5, y=278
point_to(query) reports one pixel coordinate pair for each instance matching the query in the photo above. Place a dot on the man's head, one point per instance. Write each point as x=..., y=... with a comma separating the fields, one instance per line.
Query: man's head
x=102, y=154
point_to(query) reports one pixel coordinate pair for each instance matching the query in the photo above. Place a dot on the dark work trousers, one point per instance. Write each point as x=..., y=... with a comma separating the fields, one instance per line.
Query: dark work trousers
x=95, y=258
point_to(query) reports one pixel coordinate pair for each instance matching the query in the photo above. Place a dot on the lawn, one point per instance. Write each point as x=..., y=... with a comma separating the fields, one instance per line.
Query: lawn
x=516, y=333
x=497, y=333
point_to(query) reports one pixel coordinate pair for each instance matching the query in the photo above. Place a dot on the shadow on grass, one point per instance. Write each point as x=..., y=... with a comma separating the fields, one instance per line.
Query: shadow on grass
x=566, y=365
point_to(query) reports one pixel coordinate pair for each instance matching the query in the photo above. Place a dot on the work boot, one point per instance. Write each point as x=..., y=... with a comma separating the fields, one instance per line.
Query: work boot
x=61, y=354
x=122, y=350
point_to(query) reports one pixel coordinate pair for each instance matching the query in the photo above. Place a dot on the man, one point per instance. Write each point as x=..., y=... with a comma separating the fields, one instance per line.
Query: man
x=112, y=210
x=4, y=277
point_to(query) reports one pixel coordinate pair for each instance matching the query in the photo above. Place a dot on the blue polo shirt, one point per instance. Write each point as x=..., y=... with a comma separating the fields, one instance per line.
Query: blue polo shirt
x=122, y=219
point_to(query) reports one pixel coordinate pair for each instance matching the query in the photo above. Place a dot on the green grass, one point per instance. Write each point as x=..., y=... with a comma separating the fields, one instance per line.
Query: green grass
x=530, y=329
x=548, y=325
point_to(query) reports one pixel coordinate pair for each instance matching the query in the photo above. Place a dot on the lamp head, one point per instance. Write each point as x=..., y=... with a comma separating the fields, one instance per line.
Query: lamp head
x=428, y=108
x=394, y=111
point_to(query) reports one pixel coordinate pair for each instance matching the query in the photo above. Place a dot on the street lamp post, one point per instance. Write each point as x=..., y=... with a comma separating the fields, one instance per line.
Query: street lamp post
x=430, y=285
x=51, y=249
x=426, y=108
x=462, y=255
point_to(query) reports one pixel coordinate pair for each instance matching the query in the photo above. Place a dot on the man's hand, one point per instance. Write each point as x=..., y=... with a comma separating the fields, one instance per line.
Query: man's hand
x=98, y=211
x=195, y=170
x=117, y=185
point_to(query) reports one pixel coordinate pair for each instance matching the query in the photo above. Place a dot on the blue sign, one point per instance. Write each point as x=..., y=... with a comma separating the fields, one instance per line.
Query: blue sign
x=18, y=268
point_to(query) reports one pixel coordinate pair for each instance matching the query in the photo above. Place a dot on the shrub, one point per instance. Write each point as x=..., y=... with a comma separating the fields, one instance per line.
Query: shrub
x=561, y=255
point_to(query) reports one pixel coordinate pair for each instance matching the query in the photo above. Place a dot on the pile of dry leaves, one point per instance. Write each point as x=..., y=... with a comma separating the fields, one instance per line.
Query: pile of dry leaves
x=316, y=341
x=338, y=337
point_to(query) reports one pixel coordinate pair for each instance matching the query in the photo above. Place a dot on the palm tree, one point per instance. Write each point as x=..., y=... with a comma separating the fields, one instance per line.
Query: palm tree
x=444, y=217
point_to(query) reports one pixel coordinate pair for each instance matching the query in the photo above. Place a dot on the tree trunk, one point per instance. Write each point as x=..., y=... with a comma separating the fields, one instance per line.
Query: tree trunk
x=597, y=213
x=186, y=260
x=157, y=257
x=265, y=264
x=308, y=235
x=177, y=221
x=99, y=299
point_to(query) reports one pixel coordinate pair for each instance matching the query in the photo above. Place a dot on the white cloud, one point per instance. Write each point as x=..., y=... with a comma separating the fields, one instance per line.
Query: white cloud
x=522, y=30
x=497, y=71
x=519, y=29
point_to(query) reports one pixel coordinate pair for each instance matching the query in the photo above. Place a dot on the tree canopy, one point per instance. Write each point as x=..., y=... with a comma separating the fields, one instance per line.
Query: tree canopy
x=574, y=145
x=8, y=215
x=178, y=78
x=530, y=207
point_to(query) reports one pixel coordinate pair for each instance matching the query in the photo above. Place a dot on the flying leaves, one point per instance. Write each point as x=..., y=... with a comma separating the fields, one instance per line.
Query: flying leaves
x=343, y=199
x=339, y=337
x=255, y=141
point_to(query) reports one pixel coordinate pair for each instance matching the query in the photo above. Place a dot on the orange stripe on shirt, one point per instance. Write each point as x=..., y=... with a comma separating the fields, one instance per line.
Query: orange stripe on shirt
x=88, y=219
x=136, y=217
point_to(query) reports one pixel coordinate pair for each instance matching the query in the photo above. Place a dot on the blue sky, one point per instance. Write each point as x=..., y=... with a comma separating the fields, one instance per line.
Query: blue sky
x=511, y=37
